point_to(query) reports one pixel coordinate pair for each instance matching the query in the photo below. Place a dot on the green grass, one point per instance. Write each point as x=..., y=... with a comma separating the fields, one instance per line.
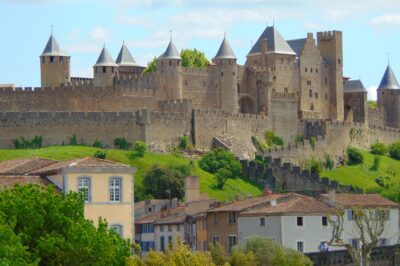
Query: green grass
x=232, y=187
x=364, y=176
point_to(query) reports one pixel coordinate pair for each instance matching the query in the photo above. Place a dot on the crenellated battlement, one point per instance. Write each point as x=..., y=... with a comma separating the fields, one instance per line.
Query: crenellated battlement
x=328, y=35
x=176, y=106
x=196, y=70
x=220, y=113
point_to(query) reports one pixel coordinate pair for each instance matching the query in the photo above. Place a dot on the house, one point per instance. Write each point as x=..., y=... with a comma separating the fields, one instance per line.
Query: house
x=348, y=202
x=222, y=222
x=150, y=206
x=107, y=186
x=294, y=221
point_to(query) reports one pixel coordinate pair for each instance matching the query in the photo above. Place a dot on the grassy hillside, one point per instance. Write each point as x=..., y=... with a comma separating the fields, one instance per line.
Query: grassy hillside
x=364, y=176
x=232, y=187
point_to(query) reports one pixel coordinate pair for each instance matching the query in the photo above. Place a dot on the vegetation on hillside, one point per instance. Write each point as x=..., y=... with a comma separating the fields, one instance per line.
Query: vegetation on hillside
x=208, y=184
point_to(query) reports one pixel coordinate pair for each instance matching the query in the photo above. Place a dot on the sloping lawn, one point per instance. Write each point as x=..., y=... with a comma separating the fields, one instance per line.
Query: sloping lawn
x=232, y=187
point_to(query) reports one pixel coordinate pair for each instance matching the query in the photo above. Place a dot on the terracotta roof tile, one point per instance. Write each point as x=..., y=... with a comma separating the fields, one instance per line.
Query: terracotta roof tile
x=159, y=215
x=293, y=204
x=23, y=166
x=10, y=180
x=362, y=200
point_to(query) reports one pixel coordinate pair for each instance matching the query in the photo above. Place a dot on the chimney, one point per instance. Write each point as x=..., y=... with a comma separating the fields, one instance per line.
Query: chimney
x=272, y=202
x=331, y=198
x=192, y=188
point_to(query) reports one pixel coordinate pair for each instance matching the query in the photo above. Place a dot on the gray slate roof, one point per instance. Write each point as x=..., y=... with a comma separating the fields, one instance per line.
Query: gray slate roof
x=389, y=80
x=276, y=43
x=53, y=49
x=105, y=59
x=225, y=51
x=171, y=52
x=125, y=58
x=354, y=86
x=297, y=45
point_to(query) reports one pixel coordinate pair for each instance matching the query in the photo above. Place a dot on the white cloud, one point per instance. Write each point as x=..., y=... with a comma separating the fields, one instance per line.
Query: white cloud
x=372, y=92
x=100, y=34
x=133, y=21
x=391, y=20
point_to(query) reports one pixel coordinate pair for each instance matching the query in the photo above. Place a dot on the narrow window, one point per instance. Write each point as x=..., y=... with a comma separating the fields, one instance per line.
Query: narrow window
x=51, y=59
x=350, y=214
x=299, y=221
x=169, y=240
x=61, y=59
x=339, y=61
x=310, y=93
x=232, y=217
x=215, y=219
x=316, y=70
x=161, y=228
x=104, y=70
x=169, y=228
x=311, y=70
x=286, y=90
x=186, y=83
x=215, y=240
x=232, y=242
x=309, y=82
x=306, y=70
x=300, y=246
x=162, y=243
x=170, y=63
x=117, y=228
x=178, y=227
x=84, y=188
x=262, y=221
x=222, y=74
x=324, y=221
x=115, y=189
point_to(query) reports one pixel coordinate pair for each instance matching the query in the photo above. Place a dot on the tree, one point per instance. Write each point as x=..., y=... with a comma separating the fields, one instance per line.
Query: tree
x=151, y=66
x=369, y=225
x=140, y=148
x=221, y=158
x=394, y=150
x=378, y=148
x=52, y=227
x=355, y=155
x=164, y=182
x=194, y=58
x=240, y=258
x=222, y=176
x=268, y=252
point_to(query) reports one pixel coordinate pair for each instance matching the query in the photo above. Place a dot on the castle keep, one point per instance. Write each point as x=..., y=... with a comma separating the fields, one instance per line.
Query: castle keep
x=291, y=87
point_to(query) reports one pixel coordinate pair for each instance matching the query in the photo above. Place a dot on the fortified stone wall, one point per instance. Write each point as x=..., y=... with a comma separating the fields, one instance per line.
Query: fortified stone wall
x=57, y=128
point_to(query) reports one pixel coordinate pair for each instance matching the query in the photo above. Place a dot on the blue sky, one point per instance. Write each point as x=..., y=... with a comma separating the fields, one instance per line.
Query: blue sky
x=371, y=29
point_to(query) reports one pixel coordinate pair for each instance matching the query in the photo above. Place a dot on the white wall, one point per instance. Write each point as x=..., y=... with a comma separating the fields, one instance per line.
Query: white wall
x=166, y=234
x=250, y=226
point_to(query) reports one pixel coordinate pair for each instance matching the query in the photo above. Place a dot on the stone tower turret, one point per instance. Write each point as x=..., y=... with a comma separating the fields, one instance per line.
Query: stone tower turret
x=225, y=60
x=389, y=99
x=54, y=65
x=104, y=70
x=126, y=64
x=169, y=65
x=330, y=46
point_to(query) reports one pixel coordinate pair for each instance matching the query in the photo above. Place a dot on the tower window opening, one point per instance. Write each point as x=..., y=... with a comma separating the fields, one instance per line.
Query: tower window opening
x=310, y=93
x=311, y=70
x=339, y=61
x=51, y=59
x=61, y=59
x=104, y=70
x=43, y=60
x=306, y=69
x=170, y=63
x=112, y=70
x=222, y=74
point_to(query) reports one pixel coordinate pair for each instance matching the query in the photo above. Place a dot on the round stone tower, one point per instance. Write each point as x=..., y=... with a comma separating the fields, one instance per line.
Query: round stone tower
x=389, y=99
x=225, y=61
x=169, y=65
x=54, y=65
x=105, y=70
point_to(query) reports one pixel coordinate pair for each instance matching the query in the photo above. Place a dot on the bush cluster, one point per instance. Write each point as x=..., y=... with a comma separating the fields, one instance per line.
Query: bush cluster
x=272, y=139
x=22, y=143
x=355, y=156
x=122, y=144
x=394, y=150
x=379, y=148
x=140, y=148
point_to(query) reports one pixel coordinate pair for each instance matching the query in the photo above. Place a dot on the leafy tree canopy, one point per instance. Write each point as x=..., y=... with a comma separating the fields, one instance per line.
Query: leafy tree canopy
x=48, y=228
x=221, y=158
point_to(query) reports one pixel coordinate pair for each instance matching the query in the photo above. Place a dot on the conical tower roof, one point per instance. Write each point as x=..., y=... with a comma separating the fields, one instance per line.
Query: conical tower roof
x=53, y=49
x=276, y=43
x=225, y=51
x=105, y=59
x=171, y=52
x=389, y=80
x=125, y=58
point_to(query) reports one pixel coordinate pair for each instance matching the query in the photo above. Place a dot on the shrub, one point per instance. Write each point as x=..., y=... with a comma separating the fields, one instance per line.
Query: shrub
x=299, y=138
x=122, y=143
x=377, y=161
x=184, y=142
x=355, y=156
x=379, y=148
x=272, y=139
x=140, y=148
x=329, y=163
x=23, y=143
x=313, y=140
x=97, y=144
x=394, y=150
x=100, y=155
x=222, y=176
x=260, y=146
x=220, y=158
x=73, y=140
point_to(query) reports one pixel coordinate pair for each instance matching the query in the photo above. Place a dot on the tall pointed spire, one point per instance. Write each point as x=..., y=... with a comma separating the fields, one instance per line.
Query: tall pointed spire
x=225, y=50
x=389, y=80
x=125, y=58
x=171, y=52
x=52, y=48
x=105, y=58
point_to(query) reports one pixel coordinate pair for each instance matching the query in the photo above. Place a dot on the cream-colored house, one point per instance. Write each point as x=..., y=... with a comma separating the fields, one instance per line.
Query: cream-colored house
x=107, y=186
